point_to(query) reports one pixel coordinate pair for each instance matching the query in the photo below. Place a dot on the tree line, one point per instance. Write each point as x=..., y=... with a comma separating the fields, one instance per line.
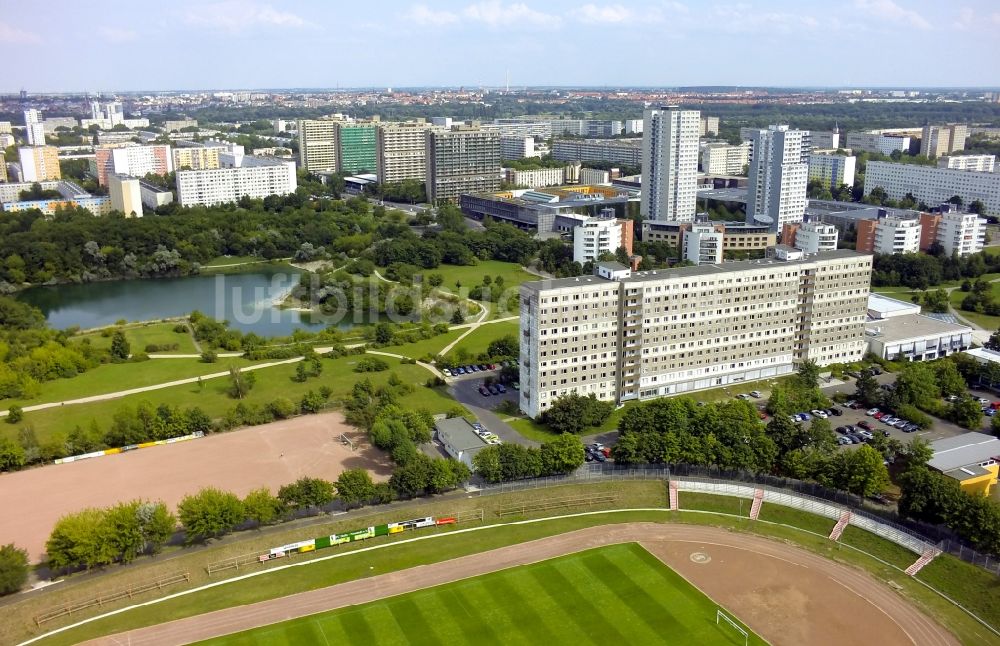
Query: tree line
x=920, y=270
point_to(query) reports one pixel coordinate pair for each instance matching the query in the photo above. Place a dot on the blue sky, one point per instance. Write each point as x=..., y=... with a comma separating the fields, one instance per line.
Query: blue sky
x=207, y=44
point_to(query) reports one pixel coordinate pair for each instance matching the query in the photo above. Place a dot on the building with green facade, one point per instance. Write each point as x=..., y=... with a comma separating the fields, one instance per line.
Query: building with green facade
x=357, y=145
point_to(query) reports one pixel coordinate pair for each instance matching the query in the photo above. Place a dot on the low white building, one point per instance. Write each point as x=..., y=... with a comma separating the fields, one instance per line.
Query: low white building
x=915, y=337
x=594, y=237
x=538, y=177
x=594, y=176
x=981, y=163
x=154, y=196
x=897, y=235
x=517, y=147
x=725, y=159
x=882, y=307
x=813, y=237
x=703, y=244
x=932, y=185
x=459, y=439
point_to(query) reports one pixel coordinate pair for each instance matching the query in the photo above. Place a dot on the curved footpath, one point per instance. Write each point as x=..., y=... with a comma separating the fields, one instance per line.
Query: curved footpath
x=786, y=594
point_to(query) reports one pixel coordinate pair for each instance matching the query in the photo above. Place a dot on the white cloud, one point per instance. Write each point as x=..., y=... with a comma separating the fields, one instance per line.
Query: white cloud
x=496, y=13
x=239, y=15
x=424, y=15
x=13, y=35
x=492, y=13
x=118, y=35
x=742, y=18
x=608, y=14
x=889, y=10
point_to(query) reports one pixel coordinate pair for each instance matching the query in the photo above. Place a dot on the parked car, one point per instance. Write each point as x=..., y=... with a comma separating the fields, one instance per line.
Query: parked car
x=501, y=388
x=983, y=400
x=804, y=417
x=483, y=391
x=842, y=430
x=819, y=413
x=858, y=439
x=888, y=419
x=872, y=412
x=865, y=425
x=755, y=394
x=879, y=415
x=875, y=370
x=990, y=412
x=835, y=411
x=844, y=440
x=851, y=428
x=865, y=434
x=909, y=428
x=900, y=423
x=516, y=385
x=493, y=390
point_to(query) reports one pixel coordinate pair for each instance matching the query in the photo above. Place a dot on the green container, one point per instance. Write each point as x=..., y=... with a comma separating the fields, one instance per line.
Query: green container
x=381, y=530
x=322, y=541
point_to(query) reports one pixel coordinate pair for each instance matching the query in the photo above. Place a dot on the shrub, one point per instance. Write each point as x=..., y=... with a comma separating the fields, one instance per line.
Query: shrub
x=371, y=364
x=209, y=356
x=915, y=415
x=13, y=568
x=15, y=414
x=282, y=408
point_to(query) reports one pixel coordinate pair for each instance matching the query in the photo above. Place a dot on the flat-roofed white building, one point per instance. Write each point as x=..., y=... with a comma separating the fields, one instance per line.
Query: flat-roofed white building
x=596, y=236
x=832, y=170
x=725, y=159
x=255, y=177
x=126, y=195
x=813, y=237
x=703, y=244
x=897, y=235
x=915, y=337
x=981, y=163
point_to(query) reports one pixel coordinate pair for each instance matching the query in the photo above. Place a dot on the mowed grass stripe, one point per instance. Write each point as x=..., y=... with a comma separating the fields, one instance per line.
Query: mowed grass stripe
x=411, y=620
x=580, y=606
x=617, y=594
x=522, y=608
x=598, y=587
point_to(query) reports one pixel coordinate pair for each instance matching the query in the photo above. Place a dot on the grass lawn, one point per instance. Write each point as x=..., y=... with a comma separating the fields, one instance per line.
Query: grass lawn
x=479, y=339
x=112, y=377
x=472, y=275
x=140, y=336
x=231, y=260
x=532, y=430
x=983, y=320
x=212, y=397
x=426, y=346
x=623, y=589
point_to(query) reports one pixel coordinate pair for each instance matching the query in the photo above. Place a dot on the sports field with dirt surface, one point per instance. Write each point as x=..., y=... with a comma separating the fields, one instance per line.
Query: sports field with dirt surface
x=270, y=455
x=785, y=594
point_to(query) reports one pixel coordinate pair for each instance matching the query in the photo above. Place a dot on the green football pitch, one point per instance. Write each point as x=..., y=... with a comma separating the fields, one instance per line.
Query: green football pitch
x=612, y=595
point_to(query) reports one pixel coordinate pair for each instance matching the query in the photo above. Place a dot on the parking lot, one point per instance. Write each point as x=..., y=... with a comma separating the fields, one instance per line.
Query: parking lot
x=465, y=389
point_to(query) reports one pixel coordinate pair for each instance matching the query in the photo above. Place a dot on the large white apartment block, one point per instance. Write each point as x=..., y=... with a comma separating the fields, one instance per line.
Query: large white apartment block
x=932, y=185
x=39, y=163
x=400, y=151
x=133, y=160
x=724, y=159
x=703, y=244
x=617, y=151
x=670, y=164
x=981, y=163
x=776, y=190
x=814, y=237
x=34, y=129
x=520, y=128
x=594, y=237
x=318, y=145
x=517, y=147
x=196, y=157
x=832, y=170
x=537, y=178
x=461, y=160
x=876, y=142
x=897, y=235
x=250, y=176
x=936, y=141
x=961, y=233
x=625, y=336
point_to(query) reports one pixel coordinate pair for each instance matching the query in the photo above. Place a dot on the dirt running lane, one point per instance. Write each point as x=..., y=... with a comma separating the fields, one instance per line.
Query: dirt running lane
x=270, y=455
x=786, y=594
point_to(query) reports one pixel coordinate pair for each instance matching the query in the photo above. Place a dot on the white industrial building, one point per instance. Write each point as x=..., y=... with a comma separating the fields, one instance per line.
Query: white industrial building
x=896, y=330
x=670, y=164
x=459, y=439
x=932, y=185
x=779, y=169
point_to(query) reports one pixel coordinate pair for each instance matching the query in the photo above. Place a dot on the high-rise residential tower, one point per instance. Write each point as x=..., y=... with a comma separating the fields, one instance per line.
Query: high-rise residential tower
x=670, y=164
x=465, y=159
x=318, y=145
x=779, y=173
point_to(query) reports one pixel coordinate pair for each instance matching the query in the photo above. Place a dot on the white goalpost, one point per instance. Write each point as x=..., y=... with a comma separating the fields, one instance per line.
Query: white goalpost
x=721, y=617
x=346, y=441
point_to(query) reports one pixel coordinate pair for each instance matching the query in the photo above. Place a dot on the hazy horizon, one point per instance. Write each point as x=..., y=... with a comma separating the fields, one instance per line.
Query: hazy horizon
x=309, y=44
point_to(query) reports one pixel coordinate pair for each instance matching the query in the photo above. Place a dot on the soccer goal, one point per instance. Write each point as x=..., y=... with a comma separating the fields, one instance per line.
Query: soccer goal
x=722, y=619
x=346, y=441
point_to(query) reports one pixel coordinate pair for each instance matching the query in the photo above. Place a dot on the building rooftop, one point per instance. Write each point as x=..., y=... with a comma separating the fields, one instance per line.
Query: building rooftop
x=963, y=450
x=611, y=265
x=886, y=305
x=910, y=327
x=693, y=271
x=983, y=355
x=459, y=433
